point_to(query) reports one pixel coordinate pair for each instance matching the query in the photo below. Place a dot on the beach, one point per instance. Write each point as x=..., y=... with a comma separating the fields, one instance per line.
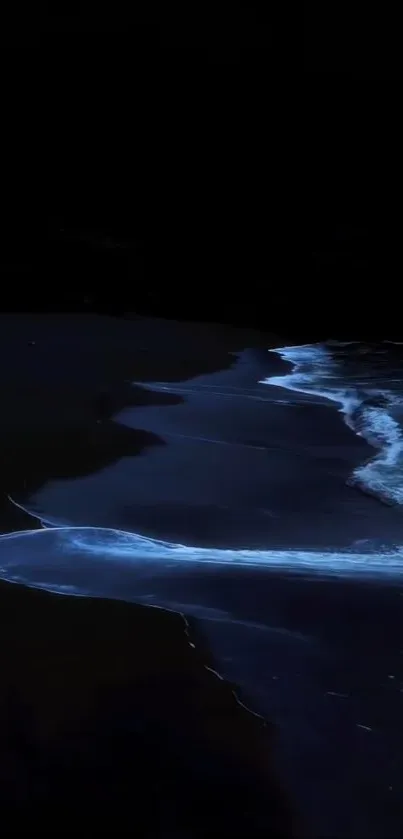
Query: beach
x=79, y=673
x=206, y=490
x=226, y=462
x=58, y=366
x=111, y=713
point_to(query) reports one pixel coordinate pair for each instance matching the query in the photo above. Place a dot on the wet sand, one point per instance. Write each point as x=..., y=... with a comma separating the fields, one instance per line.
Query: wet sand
x=74, y=669
x=321, y=658
x=62, y=373
x=231, y=463
x=112, y=714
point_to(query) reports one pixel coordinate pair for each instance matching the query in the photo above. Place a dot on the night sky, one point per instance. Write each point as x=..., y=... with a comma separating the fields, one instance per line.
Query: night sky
x=352, y=86
x=139, y=126
x=361, y=40
x=231, y=152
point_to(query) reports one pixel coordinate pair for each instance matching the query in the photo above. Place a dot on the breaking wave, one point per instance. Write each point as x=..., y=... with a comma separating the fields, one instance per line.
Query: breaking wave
x=105, y=562
x=367, y=388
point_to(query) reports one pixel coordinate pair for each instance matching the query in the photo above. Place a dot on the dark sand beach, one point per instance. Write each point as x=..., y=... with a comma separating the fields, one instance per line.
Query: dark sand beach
x=62, y=373
x=110, y=715
x=101, y=697
x=198, y=452
x=226, y=462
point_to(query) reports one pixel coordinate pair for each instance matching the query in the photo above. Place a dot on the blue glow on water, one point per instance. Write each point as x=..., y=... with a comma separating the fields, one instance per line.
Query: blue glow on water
x=316, y=372
x=106, y=562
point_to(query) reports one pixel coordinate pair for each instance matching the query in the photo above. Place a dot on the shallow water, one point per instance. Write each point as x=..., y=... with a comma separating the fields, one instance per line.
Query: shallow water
x=243, y=520
x=366, y=381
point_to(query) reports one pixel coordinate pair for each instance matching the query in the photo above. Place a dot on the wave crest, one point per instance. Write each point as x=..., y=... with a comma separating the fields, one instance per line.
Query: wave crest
x=318, y=370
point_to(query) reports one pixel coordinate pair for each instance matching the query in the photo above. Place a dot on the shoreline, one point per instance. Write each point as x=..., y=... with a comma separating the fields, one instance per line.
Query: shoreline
x=304, y=460
x=378, y=490
x=308, y=475
x=95, y=689
x=314, y=655
x=65, y=371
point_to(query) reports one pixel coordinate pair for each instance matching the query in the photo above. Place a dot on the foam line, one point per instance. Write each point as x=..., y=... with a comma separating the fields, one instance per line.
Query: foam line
x=27, y=554
x=316, y=371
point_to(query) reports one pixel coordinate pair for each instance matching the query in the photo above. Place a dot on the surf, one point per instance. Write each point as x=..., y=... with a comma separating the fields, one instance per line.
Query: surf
x=317, y=371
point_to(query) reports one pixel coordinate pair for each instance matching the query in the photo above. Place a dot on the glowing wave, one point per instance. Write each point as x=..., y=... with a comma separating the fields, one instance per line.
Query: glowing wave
x=367, y=412
x=104, y=562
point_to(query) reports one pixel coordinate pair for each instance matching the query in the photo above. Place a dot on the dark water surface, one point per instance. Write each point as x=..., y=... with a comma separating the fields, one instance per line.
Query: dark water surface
x=241, y=517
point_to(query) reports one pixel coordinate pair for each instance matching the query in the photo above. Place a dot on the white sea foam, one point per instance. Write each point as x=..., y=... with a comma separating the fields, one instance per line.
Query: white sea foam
x=103, y=562
x=106, y=562
x=316, y=371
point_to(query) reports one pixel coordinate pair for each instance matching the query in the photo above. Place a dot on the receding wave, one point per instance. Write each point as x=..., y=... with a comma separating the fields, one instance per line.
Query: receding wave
x=100, y=562
x=367, y=410
x=105, y=562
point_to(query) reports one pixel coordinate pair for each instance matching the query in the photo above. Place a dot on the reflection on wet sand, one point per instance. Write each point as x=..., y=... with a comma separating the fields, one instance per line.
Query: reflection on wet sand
x=246, y=524
x=111, y=713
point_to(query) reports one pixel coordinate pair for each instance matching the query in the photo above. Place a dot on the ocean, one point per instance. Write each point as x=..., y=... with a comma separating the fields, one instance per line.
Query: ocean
x=271, y=514
x=366, y=383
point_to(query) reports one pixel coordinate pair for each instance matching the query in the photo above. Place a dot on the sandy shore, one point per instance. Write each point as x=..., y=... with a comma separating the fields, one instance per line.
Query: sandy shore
x=109, y=713
x=222, y=460
x=226, y=462
x=62, y=373
x=107, y=709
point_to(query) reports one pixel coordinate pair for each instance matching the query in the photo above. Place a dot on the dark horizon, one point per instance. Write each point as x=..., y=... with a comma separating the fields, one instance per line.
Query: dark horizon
x=176, y=132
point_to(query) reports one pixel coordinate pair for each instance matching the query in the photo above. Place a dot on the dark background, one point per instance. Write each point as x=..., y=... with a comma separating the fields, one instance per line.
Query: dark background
x=251, y=161
x=352, y=85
